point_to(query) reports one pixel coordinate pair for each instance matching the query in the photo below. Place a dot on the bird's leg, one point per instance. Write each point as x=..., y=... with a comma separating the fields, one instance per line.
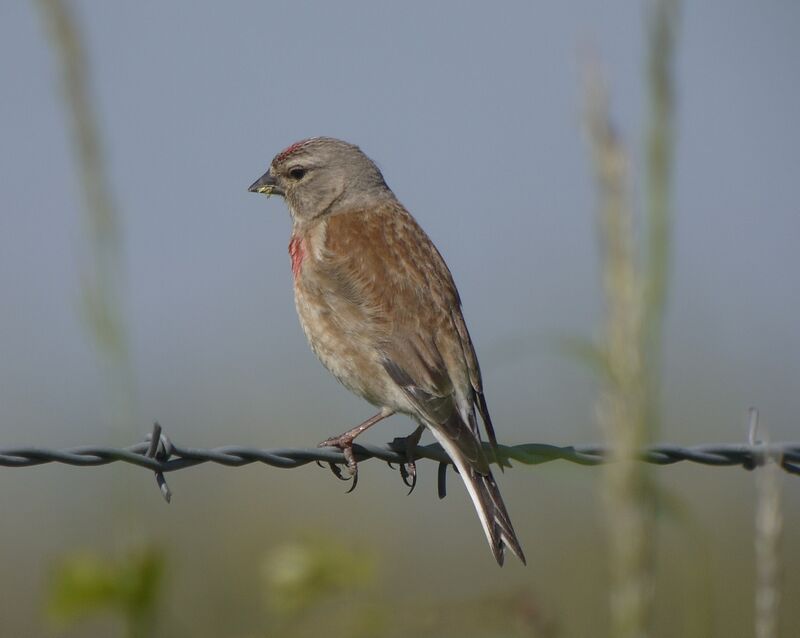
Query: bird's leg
x=408, y=470
x=345, y=442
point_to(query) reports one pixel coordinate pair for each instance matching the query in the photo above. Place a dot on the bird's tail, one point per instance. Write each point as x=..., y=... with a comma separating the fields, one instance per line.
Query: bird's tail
x=486, y=498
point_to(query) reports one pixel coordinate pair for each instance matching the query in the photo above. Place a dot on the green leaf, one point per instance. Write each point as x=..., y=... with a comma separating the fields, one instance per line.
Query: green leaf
x=85, y=584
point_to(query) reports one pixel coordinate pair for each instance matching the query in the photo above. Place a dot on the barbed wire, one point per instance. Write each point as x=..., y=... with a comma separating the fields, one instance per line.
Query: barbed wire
x=159, y=454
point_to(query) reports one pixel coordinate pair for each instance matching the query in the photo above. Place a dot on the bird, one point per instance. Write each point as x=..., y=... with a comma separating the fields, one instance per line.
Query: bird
x=381, y=311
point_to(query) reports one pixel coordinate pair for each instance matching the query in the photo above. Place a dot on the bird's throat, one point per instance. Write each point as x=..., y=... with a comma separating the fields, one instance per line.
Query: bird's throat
x=297, y=252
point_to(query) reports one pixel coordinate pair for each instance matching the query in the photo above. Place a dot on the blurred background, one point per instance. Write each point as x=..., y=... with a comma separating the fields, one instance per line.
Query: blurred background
x=178, y=307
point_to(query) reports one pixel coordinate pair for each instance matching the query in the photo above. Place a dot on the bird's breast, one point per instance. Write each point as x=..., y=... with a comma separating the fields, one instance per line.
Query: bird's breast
x=340, y=337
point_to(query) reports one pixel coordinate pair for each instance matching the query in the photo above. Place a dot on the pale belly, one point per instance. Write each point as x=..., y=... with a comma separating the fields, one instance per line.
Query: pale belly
x=347, y=349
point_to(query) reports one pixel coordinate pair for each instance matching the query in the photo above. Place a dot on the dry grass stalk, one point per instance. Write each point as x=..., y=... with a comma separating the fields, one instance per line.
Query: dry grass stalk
x=768, y=531
x=628, y=409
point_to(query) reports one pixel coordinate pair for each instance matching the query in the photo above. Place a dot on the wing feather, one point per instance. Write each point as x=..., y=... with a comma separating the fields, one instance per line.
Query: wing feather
x=395, y=278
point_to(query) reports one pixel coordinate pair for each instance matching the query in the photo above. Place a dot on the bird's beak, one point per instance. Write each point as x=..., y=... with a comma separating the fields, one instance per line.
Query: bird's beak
x=266, y=185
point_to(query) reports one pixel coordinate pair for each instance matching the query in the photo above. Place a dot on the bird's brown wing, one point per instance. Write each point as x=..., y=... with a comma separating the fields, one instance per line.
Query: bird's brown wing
x=399, y=283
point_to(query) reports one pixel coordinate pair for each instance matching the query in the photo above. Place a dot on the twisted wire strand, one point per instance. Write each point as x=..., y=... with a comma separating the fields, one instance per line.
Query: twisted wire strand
x=164, y=456
x=159, y=454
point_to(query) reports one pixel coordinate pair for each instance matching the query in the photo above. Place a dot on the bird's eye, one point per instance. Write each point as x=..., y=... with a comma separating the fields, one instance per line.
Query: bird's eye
x=298, y=172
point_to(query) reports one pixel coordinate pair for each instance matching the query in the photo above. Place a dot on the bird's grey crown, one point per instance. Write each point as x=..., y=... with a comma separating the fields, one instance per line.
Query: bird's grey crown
x=339, y=176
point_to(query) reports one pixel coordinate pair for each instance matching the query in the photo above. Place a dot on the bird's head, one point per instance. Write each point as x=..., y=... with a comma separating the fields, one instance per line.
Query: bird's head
x=320, y=176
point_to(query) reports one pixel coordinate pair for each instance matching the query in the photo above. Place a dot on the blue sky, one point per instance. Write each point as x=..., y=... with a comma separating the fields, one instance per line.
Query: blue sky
x=474, y=117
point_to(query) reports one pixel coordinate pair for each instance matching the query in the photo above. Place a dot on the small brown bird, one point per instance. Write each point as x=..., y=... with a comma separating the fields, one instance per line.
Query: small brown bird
x=381, y=312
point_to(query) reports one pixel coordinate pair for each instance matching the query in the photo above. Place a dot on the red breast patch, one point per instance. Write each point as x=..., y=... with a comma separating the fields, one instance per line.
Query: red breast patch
x=297, y=252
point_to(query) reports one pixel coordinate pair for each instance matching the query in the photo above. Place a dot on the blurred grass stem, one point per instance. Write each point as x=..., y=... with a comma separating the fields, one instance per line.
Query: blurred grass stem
x=630, y=353
x=768, y=532
x=103, y=277
x=662, y=27
x=621, y=408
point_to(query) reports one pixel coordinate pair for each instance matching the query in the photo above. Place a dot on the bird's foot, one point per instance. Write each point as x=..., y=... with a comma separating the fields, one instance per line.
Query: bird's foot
x=408, y=445
x=345, y=443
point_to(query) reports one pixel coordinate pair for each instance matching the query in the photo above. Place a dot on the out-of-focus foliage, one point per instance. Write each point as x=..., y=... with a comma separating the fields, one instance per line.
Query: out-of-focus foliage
x=510, y=615
x=302, y=574
x=86, y=583
x=321, y=584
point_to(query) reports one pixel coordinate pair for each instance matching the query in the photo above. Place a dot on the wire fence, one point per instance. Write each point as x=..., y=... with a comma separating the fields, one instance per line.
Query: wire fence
x=159, y=454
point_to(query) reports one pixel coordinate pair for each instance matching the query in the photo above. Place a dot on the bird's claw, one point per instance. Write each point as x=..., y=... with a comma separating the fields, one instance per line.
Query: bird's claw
x=408, y=472
x=408, y=469
x=345, y=444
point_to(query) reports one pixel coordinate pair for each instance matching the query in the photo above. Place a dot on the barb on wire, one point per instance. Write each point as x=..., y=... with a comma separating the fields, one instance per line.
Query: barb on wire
x=160, y=448
x=158, y=454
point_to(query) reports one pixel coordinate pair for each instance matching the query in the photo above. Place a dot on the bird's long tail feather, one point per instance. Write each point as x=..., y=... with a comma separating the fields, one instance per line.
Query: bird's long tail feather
x=488, y=503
